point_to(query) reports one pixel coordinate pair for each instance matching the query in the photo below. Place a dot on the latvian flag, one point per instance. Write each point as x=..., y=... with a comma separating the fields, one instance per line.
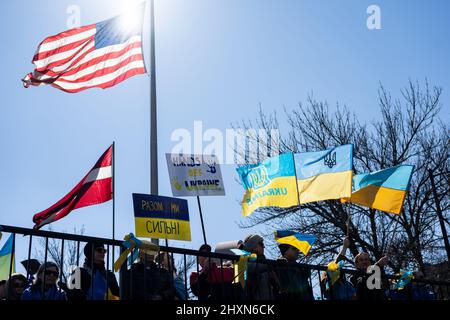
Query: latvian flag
x=98, y=55
x=94, y=188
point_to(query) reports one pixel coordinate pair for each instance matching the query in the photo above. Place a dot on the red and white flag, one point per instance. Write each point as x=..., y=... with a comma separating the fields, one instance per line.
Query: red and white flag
x=98, y=55
x=94, y=188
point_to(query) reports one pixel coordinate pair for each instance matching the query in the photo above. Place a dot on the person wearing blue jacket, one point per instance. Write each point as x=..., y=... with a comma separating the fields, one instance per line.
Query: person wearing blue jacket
x=45, y=287
x=96, y=282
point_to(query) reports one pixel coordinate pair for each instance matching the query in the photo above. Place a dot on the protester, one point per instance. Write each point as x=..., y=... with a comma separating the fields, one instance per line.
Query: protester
x=214, y=281
x=15, y=286
x=413, y=290
x=147, y=280
x=359, y=281
x=421, y=291
x=199, y=280
x=340, y=289
x=2, y=289
x=96, y=282
x=167, y=262
x=262, y=282
x=294, y=281
x=45, y=286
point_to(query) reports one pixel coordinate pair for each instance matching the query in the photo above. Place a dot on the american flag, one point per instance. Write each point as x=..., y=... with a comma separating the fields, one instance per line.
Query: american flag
x=98, y=55
x=94, y=188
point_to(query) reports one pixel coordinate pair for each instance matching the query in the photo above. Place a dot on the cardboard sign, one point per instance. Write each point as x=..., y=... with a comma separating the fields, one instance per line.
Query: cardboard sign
x=161, y=217
x=194, y=175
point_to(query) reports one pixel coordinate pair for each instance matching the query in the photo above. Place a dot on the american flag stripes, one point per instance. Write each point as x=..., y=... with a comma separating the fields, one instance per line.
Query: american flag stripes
x=98, y=55
x=94, y=188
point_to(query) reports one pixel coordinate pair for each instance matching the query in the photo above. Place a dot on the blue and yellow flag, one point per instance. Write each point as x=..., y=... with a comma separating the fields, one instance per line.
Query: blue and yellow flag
x=240, y=267
x=302, y=242
x=383, y=190
x=6, y=254
x=324, y=175
x=405, y=278
x=334, y=271
x=270, y=183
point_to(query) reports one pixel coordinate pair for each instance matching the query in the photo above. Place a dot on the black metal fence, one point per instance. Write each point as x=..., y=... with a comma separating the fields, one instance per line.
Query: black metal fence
x=179, y=276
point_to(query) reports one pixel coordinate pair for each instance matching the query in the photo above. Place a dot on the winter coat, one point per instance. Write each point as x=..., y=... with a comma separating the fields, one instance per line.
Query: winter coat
x=363, y=292
x=294, y=281
x=262, y=282
x=215, y=284
x=96, y=282
x=35, y=293
x=148, y=283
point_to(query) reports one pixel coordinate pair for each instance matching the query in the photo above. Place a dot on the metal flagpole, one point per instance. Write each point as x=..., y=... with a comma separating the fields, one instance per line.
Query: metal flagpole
x=349, y=210
x=153, y=118
x=113, y=194
x=201, y=219
x=394, y=232
x=296, y=183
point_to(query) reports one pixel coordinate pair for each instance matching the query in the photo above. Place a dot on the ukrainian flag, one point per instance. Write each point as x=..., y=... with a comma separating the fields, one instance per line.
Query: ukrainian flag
x=384, y=190
x=324, y=175
x=270, y=183
x=6, y=254
x=302, y=242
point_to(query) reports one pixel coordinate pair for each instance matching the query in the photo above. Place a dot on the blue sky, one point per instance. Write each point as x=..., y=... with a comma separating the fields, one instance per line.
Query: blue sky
x=216, y=62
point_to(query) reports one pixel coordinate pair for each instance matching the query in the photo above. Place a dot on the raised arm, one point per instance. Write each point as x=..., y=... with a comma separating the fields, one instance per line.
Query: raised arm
x=345, y=245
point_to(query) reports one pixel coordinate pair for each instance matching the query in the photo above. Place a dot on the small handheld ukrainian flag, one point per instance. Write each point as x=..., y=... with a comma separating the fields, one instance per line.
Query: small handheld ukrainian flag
x=6, y=254
x=384, y=190
x=302, y=242
x=270, y=183
x=324, y=175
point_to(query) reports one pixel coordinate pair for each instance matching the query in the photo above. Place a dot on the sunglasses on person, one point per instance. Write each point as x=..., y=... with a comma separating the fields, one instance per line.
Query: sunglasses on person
x=50, y=273
x=19, y=284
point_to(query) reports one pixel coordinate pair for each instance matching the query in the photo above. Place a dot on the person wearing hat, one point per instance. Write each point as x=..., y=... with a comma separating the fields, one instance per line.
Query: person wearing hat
x=97, y=283
x=15, y=286
x=262, y=282
x=294, y=280
x=45, y=286
x=146, y=280
x=214, y=281
x=198, y=281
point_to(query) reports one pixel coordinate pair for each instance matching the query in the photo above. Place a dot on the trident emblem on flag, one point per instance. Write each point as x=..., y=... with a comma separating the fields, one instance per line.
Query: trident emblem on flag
x=330, y=160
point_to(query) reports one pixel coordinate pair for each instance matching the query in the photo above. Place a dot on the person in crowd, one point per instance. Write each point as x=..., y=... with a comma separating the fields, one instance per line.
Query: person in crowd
x=262, y=282
x=359, y=281
x=15, y=286
x=414, y=290
x=199, y=280
x=420, y=290
x=45, y=286
x=341, y=289
x=146, y=280
x=2, y=289
x=96, y=282
x=167, y=262
x=214, y=281
x=294, y=280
